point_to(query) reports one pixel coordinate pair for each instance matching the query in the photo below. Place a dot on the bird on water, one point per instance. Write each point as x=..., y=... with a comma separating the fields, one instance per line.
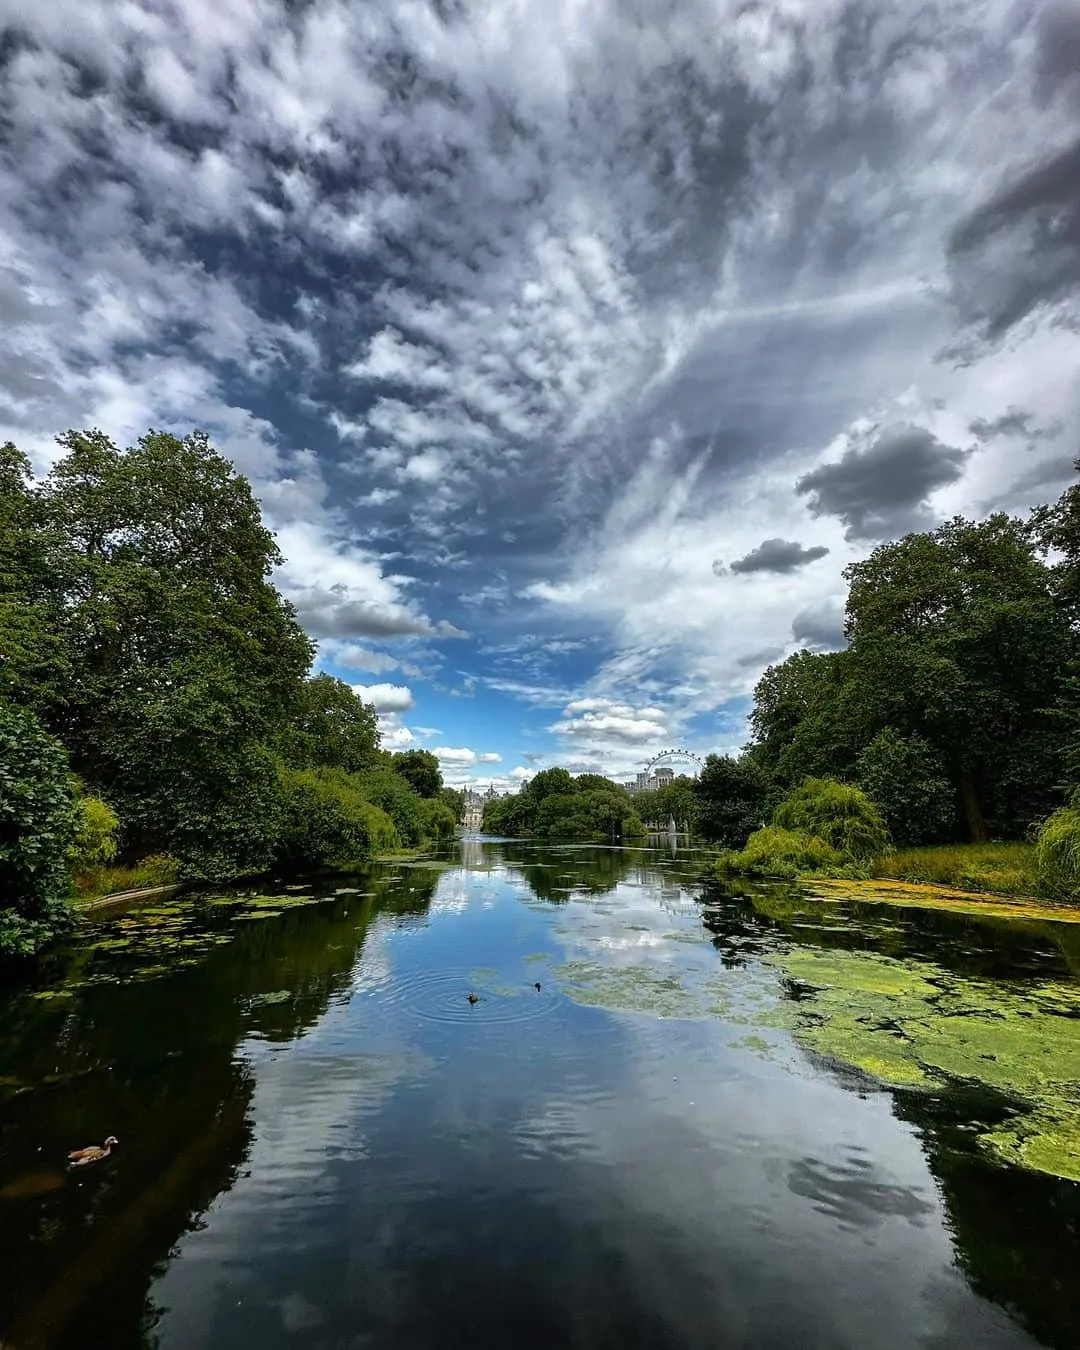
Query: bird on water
x=95, y=1153
x=474, y=998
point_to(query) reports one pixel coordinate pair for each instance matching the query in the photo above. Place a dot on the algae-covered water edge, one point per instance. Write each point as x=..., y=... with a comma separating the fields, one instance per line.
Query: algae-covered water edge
x=671, y=1113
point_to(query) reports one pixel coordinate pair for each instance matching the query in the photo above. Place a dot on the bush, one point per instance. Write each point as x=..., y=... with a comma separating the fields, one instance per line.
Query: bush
x=731, y=795
x=96, y=830
x=38, y=823
x=328, y=824
x=1057, y=856
x=839, y=814
x=778, y=852
x=904, y=775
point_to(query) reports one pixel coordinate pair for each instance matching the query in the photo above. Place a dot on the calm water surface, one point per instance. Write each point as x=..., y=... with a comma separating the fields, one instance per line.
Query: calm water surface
x=324, y=1144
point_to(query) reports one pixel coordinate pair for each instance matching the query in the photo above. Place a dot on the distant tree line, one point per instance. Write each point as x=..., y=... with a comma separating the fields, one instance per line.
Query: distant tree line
x=156, y=694
x=556, y=805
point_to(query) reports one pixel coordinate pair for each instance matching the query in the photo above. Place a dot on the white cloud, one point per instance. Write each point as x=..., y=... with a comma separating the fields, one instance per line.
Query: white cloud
x=385, y=698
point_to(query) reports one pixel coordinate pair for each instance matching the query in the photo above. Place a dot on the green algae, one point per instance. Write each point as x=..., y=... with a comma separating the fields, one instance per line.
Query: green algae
x=921, y=896
x=638, y=989
x=913, y=1024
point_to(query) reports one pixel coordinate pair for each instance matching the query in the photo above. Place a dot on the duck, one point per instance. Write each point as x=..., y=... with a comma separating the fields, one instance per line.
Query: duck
x=537, y=986
x=95, y=1153
x=474, y=998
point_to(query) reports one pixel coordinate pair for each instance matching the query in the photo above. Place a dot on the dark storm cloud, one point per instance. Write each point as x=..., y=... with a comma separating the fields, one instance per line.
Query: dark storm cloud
x=1020, y=248
x=778, y=555
x=820, y=627
x=1050, y=473
x=881, y=489
x=1013, y=422
x=765, y=657
x=1057, y=51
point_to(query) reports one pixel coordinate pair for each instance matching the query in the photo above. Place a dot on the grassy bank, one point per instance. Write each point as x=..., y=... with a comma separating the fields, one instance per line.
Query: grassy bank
x=157, y=870
x=997, y=869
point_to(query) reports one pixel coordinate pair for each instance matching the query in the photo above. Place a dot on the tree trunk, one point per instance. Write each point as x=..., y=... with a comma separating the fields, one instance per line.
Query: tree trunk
x=972, y=809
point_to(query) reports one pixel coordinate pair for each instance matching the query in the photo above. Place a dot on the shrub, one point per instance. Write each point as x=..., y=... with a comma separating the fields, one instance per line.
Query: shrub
x=96, y=830
x=838, y=813
x=328, y=824
x=1057, y=856
x=390, y=792
x=38, y=822
x=904, y=775
x=777, y=852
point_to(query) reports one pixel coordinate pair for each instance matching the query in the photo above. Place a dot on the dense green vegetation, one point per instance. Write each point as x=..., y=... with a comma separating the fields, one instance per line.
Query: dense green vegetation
x=156, y=699
x=953, y=712
x=555, y=805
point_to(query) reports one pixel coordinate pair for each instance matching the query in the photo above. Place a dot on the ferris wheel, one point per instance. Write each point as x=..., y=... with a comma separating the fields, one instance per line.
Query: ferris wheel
x=675, y=756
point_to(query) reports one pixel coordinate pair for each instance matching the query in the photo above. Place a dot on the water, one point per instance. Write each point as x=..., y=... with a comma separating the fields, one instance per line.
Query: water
x=323, y=1143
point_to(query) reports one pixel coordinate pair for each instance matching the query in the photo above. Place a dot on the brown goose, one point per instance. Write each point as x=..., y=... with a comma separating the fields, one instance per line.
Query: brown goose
x=81, y=1156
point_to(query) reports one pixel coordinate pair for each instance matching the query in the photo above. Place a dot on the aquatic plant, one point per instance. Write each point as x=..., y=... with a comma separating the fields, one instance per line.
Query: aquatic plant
x=842, y=815
x=1057, y=855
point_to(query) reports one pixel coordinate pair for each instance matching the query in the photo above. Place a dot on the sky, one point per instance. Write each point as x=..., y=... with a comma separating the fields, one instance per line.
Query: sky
x=572, y=347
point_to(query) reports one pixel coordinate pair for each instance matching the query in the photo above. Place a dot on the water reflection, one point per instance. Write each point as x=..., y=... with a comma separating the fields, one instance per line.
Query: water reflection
x=322, y=1138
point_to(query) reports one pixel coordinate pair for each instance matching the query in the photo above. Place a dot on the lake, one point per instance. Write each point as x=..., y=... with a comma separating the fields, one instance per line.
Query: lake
x=664, y=1122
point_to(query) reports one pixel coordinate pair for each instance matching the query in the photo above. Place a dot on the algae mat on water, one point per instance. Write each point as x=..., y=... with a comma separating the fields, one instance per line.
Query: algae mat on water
x=911, y=894
x=915, y=1024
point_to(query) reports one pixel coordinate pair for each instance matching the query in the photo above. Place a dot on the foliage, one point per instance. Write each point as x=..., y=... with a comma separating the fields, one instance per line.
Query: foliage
x=38, y=824
x=1057, y=855
x=841, y=815
x=440, y=822
x=904, y=775
x=555, y=805
x=96, y=830
x=594, y=813
x=777, y=852
x=327, y=823
x=962, y=637
x=999, y=868
x=392, y=794
x=958, y=635
x=331, y=728
x=156, y=869
x=731, y=796
x=421, y=771
x=676, y=801
x=455, y=800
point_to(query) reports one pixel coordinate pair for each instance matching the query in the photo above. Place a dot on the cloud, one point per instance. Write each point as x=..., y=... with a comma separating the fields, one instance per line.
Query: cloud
x=602, y=721
x=1013, y=422
x=777, y=555
x=385, y=698
x=353, y=657
x=880, y=488
x=393, y=733
x=821, y=627
x=335, y=612
x=489, y=757
x=1020, y=248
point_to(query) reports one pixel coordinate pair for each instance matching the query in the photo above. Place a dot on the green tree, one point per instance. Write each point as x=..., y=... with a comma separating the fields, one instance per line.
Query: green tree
x=905, y=776
x=804, y=720
x=331, y=728
x=184, y=660
x=327, y=824
x=95, y=843
x=39, y=820
x=845, y=818
x=731, y=799
x=958, y=636
x=454, y=799
x=405, y=807
x=547, y=783
x=421, y=770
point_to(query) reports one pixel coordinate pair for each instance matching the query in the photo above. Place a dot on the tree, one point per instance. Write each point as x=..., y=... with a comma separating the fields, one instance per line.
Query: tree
x=454, y=799
x=547, y=783
x=905, y=776
x=38, y=826
x=421, y=770
x=405, y=807
x=803, y=721
x=327, y=823
x=331, y=728
x=958, y=636
x=845, y=818
x=731, y=799
x=184, y=660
